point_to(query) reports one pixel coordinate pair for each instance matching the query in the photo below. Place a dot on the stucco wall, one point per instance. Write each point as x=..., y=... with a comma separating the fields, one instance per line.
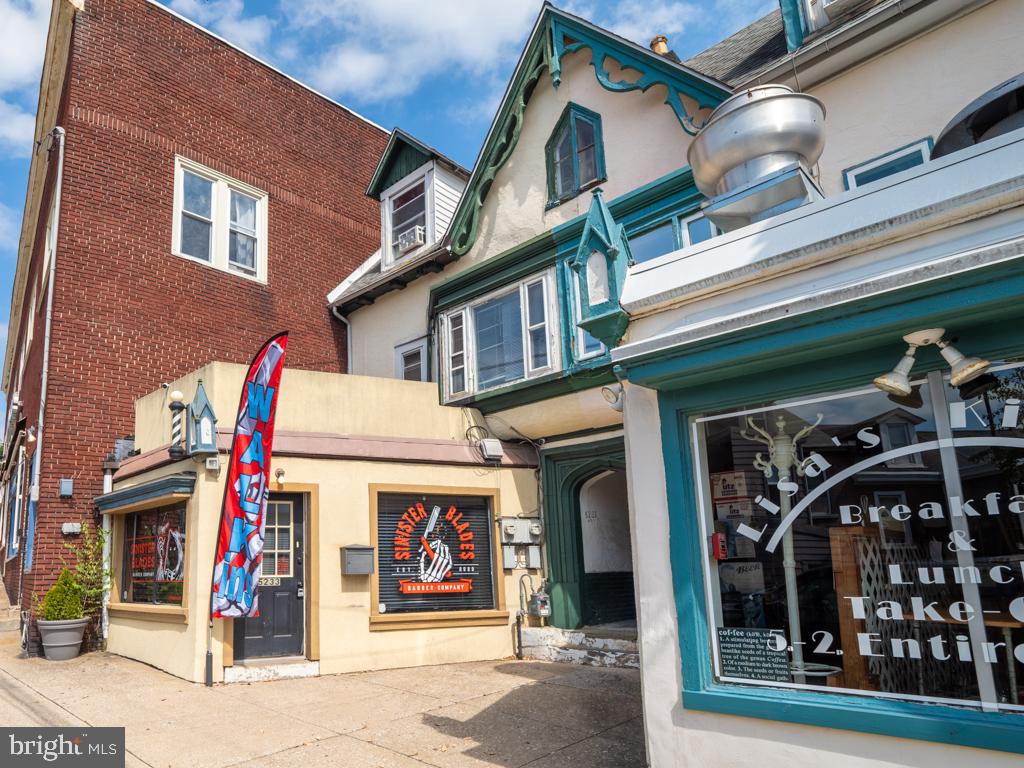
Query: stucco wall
x=348, y=405
x=642, y=142
x=913, y=91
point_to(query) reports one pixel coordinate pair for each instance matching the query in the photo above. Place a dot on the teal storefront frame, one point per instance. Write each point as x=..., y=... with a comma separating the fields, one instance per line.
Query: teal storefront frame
x=826, y=351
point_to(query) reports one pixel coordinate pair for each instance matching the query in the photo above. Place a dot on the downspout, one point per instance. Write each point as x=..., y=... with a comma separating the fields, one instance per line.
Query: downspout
x=108, y=486
x=58, y=135
x=348, y=337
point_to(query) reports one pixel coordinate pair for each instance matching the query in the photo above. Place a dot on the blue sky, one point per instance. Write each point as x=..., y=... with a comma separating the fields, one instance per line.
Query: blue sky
x=437, y=68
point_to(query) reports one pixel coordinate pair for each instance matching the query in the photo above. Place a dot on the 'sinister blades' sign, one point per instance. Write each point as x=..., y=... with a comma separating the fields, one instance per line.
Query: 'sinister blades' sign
x=434, y=553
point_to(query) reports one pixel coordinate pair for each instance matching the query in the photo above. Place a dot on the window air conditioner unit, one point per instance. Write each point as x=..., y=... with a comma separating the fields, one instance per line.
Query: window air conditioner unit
x=412, y=238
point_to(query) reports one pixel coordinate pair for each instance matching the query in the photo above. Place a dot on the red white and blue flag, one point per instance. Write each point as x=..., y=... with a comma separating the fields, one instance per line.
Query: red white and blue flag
x=239, y=559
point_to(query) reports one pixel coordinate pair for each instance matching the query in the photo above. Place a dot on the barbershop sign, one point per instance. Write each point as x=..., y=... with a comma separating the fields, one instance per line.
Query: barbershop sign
x=434, y=553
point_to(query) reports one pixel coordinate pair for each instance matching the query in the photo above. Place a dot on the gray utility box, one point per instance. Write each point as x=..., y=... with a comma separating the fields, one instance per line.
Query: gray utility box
x=521, y=530
x=357, y=560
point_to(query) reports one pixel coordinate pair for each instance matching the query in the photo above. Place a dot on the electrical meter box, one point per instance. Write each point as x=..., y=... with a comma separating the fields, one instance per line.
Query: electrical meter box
x=521, y=530
x=357, y=560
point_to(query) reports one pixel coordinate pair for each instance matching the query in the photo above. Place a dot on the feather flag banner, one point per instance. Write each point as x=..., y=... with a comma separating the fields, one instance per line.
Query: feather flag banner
x=239, y=558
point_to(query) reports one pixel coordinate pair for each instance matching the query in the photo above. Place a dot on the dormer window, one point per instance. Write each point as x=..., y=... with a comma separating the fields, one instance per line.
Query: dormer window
x=408, y=219
x=575, y=155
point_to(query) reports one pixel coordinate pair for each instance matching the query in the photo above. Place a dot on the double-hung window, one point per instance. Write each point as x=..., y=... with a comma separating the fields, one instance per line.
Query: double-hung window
x=408, y=214
x=504, y=337
x=575, y=154
x=219, y=221
x=672, y=235
x=411, y=361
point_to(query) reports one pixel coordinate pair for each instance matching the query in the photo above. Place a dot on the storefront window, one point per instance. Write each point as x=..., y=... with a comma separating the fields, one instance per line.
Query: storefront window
x=434, y=553
x=154, y=556
x=864, y=544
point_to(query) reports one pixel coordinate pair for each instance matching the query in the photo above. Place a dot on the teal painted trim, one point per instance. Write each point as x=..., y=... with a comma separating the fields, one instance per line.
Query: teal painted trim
x=403, y=154
x=563, y=471
x=794, y=24
x=181, y=482
x=852, y=170
x=647, y=205
x=509, y=267
x=568, y=121
x=537, y=389
x=570, y=35
x=991, y=331
x=544, y=50
x=981, y=294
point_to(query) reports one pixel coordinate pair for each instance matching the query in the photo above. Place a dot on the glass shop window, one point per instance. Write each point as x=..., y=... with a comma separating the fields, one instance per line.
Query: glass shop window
x=870, y=544
x=154, y=556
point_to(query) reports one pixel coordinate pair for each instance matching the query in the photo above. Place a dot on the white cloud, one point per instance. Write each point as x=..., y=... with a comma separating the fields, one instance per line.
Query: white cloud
x=22, y=42
x=227, y=18
x=387, y=49
x=640, y=21
x=17, y=127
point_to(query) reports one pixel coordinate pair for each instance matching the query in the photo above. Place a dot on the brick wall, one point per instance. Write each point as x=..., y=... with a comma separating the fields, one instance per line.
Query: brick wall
x=144, y=86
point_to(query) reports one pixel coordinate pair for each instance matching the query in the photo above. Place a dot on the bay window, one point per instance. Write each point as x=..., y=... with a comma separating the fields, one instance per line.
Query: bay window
x=506, y=336
x=219, y=221
x=883, y=556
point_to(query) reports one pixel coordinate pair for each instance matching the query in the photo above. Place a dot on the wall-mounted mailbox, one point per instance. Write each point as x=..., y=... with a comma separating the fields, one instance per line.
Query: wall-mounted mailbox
x=357, y=560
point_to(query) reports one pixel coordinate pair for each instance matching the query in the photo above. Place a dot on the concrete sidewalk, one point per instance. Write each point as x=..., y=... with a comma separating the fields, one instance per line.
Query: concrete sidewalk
x=503, y=713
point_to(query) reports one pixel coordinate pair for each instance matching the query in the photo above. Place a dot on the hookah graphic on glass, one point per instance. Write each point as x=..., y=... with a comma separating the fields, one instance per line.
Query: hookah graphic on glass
x=782, y=458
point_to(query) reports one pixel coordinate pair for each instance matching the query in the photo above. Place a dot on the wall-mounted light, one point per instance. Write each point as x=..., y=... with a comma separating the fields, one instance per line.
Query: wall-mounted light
x=612, y=395
x=963, y=369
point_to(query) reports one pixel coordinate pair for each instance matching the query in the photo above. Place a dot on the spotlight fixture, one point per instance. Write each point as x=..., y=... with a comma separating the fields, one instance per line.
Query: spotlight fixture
x=897, y=381
x=612, y=395
x=978, y=386
x=963, y=369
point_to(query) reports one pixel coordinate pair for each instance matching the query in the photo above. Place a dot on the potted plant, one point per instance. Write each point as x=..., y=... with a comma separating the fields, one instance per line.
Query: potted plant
x=62, y=623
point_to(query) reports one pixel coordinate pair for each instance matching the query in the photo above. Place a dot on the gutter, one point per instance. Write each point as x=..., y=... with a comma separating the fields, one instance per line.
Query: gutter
x=348, y=336
x=56, y=135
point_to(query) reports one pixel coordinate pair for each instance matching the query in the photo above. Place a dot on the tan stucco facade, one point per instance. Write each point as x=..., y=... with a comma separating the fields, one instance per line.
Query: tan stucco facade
x=363, y=416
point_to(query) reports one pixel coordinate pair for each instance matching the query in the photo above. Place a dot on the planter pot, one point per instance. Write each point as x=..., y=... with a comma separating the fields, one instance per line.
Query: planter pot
x=62, y=639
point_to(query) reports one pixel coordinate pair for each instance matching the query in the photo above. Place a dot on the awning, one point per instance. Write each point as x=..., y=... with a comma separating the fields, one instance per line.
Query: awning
x=166, y=490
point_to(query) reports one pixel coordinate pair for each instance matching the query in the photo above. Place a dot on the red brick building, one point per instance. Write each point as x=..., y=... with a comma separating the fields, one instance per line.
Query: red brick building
x=185, y=201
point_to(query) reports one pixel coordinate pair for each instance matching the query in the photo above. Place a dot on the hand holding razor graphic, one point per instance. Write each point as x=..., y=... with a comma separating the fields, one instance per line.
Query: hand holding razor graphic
x=439, y=564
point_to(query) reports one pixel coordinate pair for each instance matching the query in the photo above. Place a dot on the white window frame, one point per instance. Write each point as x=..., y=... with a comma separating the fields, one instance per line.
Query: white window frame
x=551, y=322
x=220, y=216
x=922, y=147
x=914, y=459
x=401, y=350
x=13, y=544
x=684, y=229
x=426, y=176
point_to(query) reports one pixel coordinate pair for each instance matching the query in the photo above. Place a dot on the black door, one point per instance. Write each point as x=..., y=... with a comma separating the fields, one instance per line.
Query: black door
x=278, y=630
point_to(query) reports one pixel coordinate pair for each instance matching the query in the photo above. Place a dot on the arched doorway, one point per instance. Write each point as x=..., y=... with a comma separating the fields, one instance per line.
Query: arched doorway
x=587, y=530
x=607, y=553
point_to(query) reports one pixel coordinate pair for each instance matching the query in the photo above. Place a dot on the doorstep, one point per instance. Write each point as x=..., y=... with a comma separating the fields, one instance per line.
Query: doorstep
x=280, y=668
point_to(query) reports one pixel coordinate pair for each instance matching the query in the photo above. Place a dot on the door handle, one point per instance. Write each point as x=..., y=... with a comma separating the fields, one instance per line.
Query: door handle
x=299, y=591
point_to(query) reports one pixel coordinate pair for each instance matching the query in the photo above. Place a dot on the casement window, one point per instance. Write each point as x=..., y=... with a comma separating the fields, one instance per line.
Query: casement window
x=854, y=576
x=506, y=336
x=575, y=154
x=680, y=232
x=411, y=361
x=892, y=162
x=153, y=566
x=219, y=221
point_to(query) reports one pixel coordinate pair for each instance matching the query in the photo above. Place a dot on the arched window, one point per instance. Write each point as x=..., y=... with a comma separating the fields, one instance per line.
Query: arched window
x=998, y=111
